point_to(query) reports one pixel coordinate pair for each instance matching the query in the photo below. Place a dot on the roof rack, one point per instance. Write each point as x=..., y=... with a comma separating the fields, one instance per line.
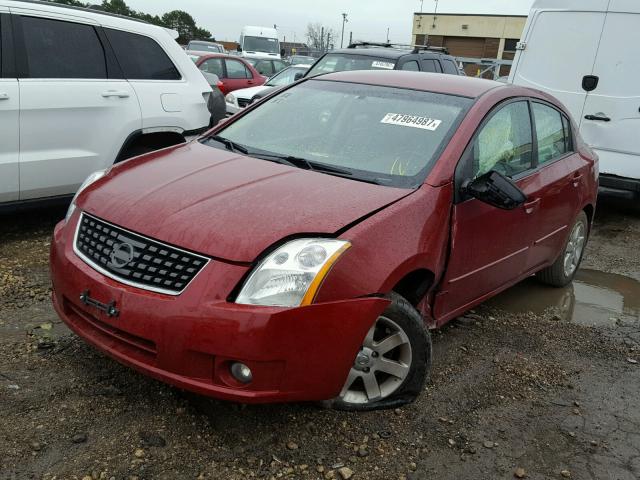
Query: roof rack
x=374, y=44
x=91, y=9
x=419, y=48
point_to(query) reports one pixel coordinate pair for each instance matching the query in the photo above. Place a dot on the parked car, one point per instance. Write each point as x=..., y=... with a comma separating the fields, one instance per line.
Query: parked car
x=302, y=250
x=243, y=97
x=78, y=72
x=205, y=47
x=597, y=82
x=381, y=56
x=301, y=60
x=267, y=66
x=234, y=72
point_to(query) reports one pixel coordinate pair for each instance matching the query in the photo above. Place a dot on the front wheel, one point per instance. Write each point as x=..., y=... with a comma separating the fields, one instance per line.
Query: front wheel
x=393, y=363
x=561, y=273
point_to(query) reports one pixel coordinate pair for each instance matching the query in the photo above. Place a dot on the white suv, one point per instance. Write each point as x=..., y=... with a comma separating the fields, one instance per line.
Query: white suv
x=81, y=90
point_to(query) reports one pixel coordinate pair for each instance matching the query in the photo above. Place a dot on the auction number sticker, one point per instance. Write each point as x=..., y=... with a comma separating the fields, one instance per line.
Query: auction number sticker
x=385, y=65
x=414, y=121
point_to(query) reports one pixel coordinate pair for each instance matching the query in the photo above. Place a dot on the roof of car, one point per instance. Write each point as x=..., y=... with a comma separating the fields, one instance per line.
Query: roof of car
x=429, y=82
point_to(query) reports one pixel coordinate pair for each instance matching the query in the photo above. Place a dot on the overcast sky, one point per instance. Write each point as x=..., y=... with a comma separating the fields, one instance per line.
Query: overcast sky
x=368, y=19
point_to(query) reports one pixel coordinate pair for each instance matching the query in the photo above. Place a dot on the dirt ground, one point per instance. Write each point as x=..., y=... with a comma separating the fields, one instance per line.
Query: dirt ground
x=517, y=389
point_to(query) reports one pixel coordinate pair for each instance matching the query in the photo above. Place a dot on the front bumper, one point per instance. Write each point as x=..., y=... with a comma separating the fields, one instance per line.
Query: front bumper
x=190, y=340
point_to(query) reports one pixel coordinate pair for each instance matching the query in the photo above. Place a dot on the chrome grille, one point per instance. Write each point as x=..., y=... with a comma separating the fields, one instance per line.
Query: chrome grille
x=133, y=259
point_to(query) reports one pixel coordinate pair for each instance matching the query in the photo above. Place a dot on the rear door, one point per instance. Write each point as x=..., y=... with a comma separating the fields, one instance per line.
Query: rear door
x=73, y=117
x=9, y=114
x=611, y=119
x=490, y=246
x=560, y=50
x=237, y=75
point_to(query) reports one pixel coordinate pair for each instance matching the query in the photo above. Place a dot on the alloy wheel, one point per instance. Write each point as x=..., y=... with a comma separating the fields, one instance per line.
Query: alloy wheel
x=381, y=365
x=573, y=250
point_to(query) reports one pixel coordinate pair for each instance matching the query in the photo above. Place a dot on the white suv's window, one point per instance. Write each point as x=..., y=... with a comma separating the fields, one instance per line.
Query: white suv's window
x=140, y=57
x=57, y=49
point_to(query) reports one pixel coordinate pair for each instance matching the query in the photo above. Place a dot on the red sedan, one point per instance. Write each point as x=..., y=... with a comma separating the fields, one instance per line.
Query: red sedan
x=234, y=72
x=304, y=249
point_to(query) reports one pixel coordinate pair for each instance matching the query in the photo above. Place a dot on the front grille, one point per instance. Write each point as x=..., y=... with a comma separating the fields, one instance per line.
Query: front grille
x=137, y=260
x=243, y=102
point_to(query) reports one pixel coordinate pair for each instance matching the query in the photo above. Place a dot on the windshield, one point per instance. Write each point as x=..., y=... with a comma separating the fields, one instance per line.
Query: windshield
x=285, y=77
x=336, y=62
x=261, y=44
x=205, y=47
x=386, y=135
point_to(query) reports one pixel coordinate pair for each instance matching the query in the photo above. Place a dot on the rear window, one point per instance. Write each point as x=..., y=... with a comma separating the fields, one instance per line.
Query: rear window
x=336, y=62
x=140, y=57
x=57, y=49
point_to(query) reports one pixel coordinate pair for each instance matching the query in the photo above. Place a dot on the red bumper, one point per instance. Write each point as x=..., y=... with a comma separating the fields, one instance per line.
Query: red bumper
x=190, y=340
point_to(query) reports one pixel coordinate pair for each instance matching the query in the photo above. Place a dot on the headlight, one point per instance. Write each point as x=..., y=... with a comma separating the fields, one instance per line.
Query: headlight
x=90, y=179
x=293, y=273
x=231, y=98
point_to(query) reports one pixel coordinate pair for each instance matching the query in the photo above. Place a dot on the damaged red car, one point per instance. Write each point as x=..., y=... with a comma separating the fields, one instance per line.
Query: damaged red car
x=303, y=250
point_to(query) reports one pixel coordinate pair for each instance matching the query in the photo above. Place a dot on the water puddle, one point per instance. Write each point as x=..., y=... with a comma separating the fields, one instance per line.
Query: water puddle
x=593, y=299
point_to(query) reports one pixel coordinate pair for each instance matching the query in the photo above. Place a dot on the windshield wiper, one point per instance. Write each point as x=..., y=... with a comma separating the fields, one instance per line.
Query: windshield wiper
x=294, y=161
x=229, y=145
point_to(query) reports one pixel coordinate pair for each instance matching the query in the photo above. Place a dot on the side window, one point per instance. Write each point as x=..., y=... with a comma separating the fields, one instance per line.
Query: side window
x=264, y=67
x=430, y=66
x=57, y=49
x=214, y=66
x=411, y=65
x=550, y=133
x=236, y=69
x=449, y=67
x=504, y=143
x=140, y=57
x=278, y=66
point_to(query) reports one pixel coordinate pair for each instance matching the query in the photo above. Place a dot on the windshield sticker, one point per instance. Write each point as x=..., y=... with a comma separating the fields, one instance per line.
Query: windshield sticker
x=385, y=65
x=415, y=121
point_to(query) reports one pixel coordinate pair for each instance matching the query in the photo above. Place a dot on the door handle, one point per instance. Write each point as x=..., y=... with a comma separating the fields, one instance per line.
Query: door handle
x=115, y=93
x=4, y=96
x=575, y=179
x=597, y=118
x=530, y=207
x=250, y=82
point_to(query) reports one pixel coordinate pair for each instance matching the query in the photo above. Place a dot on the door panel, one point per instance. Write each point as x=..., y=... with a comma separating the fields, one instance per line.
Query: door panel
x=237, y=76
x=9, y=124
x=617, y=98
x=552, y=39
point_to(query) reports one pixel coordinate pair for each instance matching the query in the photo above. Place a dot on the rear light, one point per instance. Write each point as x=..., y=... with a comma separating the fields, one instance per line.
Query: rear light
x=220, y=86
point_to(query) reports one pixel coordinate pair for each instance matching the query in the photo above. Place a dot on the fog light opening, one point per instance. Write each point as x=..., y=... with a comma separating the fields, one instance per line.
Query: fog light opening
x=241, y=372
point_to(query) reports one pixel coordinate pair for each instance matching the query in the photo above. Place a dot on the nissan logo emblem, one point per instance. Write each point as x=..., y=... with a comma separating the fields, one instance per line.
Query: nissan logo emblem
x=121, y=255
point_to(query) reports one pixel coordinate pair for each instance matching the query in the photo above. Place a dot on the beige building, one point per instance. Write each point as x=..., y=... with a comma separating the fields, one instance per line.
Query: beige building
x=474, y=36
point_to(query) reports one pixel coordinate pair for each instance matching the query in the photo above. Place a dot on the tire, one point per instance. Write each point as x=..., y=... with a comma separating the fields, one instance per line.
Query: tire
x=409, y=359
x=557, y=275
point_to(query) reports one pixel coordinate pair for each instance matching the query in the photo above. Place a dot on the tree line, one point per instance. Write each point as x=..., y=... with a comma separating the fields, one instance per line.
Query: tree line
x=178, y=20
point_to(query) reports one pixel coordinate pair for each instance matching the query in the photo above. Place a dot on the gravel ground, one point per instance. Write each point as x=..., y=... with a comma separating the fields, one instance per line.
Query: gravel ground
x=512, y=394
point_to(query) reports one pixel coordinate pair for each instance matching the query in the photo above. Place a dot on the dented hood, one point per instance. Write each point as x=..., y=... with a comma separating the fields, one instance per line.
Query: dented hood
x=228, y=205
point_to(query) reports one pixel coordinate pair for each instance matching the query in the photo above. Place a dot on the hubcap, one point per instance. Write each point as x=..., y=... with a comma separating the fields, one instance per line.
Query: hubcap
x=573, y=251
x=380, y=366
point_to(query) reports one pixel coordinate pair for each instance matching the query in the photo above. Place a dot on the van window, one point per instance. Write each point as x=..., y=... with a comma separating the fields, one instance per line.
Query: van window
x=140, y=57
x=550, y=133
x=449, y=67
x=57, y=49
x=504, y=143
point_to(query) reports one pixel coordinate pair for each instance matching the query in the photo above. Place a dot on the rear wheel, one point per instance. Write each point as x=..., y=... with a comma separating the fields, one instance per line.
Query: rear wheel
x=561, y=273
x=393, y=363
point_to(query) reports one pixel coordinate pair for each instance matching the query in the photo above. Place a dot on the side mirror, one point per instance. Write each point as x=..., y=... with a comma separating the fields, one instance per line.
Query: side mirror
x=298, y=76
x=495, y=189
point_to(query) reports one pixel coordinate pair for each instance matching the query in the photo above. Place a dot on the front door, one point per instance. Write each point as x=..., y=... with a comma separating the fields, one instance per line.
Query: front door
x=490, y=246
x=611, y=119
x=9, y=115
x=73, y=118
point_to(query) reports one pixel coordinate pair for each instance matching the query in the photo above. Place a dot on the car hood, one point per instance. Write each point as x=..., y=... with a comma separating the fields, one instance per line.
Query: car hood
x=248, y=93
x=226, y=205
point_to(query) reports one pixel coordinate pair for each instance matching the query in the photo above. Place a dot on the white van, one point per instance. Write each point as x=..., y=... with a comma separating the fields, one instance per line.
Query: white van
x=585, y=52
x=81, y=89
x=259, y=42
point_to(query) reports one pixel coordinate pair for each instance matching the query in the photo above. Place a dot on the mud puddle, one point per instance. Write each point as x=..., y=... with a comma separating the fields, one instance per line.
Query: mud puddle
x=594, y=298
